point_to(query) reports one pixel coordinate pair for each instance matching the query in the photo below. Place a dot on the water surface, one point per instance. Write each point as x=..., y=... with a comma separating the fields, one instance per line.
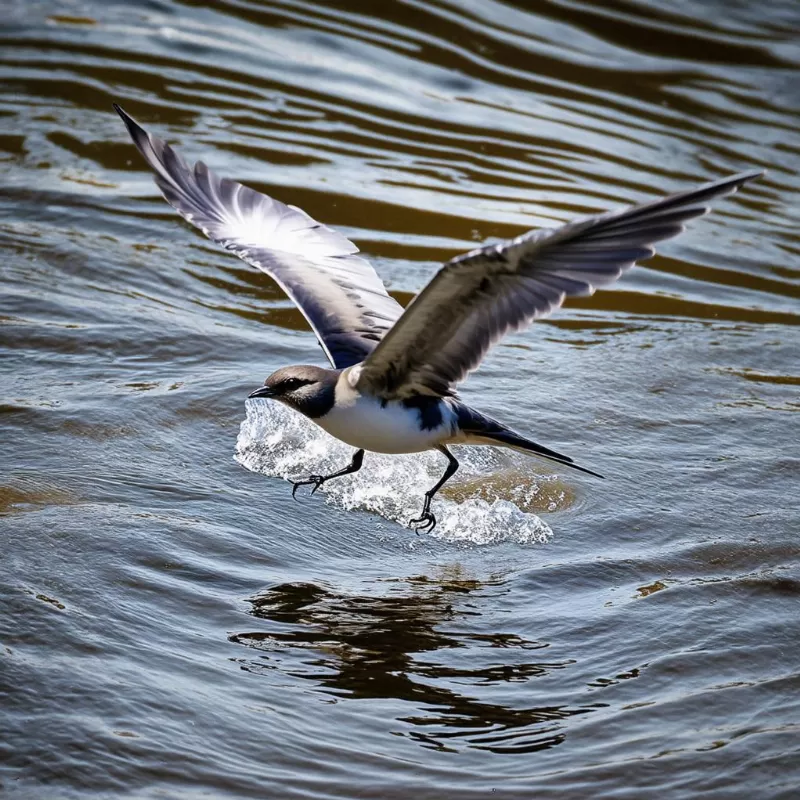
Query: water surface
x=175, y=625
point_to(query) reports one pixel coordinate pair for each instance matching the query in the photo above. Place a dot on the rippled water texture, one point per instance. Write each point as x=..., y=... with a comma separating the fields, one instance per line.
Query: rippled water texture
x=175, y=625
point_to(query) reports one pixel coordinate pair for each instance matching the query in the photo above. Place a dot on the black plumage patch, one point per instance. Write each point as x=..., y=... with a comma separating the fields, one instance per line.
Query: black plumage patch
x=430, y=410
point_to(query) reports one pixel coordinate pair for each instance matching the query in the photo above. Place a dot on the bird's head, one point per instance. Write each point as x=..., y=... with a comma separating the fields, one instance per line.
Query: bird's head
x=307, y=389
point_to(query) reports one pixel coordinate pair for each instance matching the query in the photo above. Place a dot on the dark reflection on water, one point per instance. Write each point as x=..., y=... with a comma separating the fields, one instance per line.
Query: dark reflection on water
x=384, y=647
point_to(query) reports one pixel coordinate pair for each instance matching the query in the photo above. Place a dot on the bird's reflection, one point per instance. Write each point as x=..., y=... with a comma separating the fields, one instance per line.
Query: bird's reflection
x=401, y=645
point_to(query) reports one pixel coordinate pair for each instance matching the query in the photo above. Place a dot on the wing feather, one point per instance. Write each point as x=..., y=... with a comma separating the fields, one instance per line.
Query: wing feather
x=338, y=292
x=476, y=298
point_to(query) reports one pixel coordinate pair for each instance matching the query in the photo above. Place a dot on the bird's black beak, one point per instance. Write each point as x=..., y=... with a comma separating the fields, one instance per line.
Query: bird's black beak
x=264, y=391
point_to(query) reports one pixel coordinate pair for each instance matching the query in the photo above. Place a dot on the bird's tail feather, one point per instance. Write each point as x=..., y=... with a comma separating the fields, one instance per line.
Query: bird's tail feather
x=513, y=440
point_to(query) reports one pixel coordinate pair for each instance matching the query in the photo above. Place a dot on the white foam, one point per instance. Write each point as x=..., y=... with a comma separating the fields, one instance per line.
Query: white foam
x=276, y=441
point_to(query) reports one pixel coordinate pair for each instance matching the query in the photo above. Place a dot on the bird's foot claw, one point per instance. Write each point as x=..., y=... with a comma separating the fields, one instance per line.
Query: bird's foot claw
x=316, y=480
x=426, y=522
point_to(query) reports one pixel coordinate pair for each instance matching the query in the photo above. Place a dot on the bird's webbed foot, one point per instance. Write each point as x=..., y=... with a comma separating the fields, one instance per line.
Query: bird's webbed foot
x=315, y=480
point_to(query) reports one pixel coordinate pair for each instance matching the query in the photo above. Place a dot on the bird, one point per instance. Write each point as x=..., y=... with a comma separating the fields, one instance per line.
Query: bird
x=391, y=384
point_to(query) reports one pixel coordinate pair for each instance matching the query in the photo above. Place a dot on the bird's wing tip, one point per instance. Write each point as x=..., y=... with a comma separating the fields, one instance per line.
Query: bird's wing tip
x=130, y=123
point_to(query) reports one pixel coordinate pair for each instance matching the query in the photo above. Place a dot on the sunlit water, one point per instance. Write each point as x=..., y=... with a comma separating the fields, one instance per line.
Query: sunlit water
x=174, y=624
x=275, y=441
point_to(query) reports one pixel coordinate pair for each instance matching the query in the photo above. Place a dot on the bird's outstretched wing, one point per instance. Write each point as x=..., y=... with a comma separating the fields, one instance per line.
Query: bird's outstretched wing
x=339, y=293
x=476, y=298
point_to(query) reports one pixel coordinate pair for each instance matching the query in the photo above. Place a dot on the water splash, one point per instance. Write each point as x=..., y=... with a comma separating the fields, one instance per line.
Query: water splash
x=276, y=441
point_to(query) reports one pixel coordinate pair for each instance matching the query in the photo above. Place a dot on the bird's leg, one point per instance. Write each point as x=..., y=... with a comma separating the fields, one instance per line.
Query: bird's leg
x=427, y=521
x=318, y=480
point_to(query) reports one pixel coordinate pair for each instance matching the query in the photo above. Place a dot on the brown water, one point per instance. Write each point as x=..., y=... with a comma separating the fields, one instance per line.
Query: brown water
x=175, y=626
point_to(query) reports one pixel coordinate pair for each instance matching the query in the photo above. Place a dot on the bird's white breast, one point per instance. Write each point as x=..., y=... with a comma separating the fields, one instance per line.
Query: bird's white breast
x=364, y=422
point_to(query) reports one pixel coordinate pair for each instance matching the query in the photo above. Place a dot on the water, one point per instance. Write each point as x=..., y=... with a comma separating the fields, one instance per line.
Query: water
x=175, y=625
x=493, y=504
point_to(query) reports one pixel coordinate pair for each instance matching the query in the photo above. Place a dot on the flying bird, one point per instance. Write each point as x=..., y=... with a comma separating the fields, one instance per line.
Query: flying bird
x=392, y=383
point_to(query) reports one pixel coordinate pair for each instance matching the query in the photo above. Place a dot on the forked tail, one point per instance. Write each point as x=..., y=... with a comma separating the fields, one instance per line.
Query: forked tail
x=516, y=442
x=486, y=430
